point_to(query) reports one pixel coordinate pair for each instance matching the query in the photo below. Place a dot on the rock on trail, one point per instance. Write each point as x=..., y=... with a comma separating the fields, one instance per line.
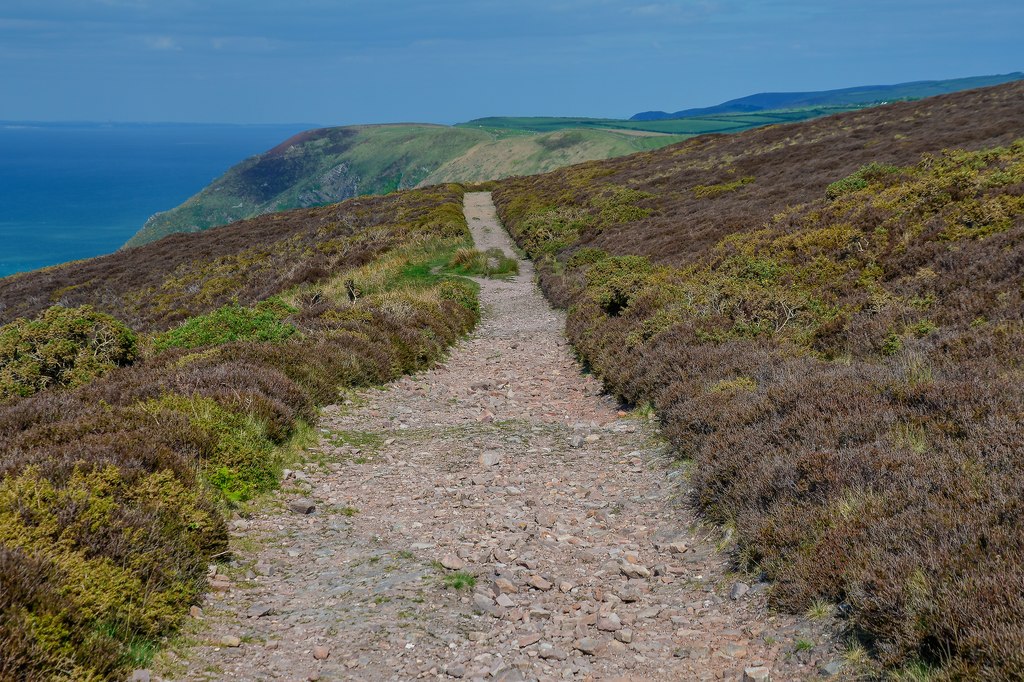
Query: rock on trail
x=495, y=518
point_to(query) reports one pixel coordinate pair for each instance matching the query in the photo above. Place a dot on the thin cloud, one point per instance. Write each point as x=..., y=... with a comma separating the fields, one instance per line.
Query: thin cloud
x=162, y=43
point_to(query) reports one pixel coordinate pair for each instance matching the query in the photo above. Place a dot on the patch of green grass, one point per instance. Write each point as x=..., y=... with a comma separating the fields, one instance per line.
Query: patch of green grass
x=803, y=645
x=914, y=672
x=357, y=439
x=226, y=324
x=459, y=580
x=489, y=263
x=348, y=511
x=244, y=460
x=820, y=609
x=712, y=191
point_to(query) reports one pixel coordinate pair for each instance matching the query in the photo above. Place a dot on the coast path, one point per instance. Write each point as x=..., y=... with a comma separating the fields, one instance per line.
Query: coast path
x=495, y=518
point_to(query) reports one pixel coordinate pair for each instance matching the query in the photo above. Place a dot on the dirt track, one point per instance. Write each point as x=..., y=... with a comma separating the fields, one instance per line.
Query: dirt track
x=506, y=467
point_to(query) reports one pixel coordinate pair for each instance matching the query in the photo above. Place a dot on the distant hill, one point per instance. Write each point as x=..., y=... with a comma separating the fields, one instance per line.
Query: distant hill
x=332, y=164
x=326, y=165
x=845, y=97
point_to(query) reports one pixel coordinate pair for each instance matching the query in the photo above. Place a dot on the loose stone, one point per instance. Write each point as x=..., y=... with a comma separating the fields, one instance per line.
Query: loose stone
x=738, y=590
x=452, y=562
x=758, y=674
x=302, y=506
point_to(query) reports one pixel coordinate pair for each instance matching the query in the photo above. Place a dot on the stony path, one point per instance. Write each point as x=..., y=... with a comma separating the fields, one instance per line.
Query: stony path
x=495, y=518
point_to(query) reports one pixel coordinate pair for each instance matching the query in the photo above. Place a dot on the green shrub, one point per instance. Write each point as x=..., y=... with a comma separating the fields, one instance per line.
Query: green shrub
x=612, y=282
x=64, y=347
x=860, y=179
x=242, y=461
x=462, y=292
x=95, y=569
x=229, y=323
x=585, y=256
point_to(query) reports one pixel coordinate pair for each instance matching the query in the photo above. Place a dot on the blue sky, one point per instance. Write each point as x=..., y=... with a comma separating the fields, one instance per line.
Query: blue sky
x=363, y=61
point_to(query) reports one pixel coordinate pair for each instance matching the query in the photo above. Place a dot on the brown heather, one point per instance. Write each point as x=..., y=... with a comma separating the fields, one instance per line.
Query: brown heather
x=113, y=493
x=829, y=319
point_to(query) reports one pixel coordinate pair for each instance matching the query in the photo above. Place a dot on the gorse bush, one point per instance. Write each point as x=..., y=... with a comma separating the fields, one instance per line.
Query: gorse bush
x=63, y=347
x=837, y=349
x=113, y=491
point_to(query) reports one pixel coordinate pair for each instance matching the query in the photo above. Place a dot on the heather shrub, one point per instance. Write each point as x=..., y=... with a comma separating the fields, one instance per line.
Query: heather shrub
x=241, y=462
x=63, y=347
x=462, y=293
x=862, y=178
x=113, y=492
x=844, y=373
x=584, y=257
x=110, y=570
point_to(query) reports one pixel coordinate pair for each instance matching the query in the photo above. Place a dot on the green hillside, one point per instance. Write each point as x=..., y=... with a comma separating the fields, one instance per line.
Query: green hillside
x=716, y=123
x=332, y=164
x=316, y=167
x=527, y=154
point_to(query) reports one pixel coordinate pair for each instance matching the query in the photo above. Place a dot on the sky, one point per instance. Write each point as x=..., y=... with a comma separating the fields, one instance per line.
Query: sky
x=336, y=62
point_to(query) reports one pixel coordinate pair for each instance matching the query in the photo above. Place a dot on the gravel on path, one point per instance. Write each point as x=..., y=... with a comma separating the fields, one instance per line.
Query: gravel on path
x=495, y=518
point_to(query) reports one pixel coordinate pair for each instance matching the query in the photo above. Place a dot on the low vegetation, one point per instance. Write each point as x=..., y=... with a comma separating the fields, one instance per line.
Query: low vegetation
x=117, y=472
x=489, y=263
x=836, y=346
x=64, y=347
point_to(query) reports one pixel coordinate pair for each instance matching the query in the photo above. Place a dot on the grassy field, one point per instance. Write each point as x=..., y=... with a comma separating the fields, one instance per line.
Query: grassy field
x=529, y=153
x=718, y=123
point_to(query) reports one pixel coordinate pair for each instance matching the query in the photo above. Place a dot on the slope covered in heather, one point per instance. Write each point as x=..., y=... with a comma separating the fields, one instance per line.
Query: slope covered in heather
x=146, y=395
x=828, y=317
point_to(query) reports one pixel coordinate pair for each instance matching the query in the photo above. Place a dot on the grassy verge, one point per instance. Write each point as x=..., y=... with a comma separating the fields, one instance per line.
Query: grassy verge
x=114, y=491
x=845, y=379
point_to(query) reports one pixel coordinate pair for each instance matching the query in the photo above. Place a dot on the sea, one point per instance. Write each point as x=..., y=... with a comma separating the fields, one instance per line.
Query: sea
x=77, y=190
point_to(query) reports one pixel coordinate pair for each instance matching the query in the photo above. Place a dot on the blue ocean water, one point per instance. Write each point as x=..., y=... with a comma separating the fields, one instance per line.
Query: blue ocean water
x=70, y=191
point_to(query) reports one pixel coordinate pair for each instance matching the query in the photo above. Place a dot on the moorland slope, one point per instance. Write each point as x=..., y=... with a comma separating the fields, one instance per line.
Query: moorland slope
x=145, y=394
x=828, y=317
